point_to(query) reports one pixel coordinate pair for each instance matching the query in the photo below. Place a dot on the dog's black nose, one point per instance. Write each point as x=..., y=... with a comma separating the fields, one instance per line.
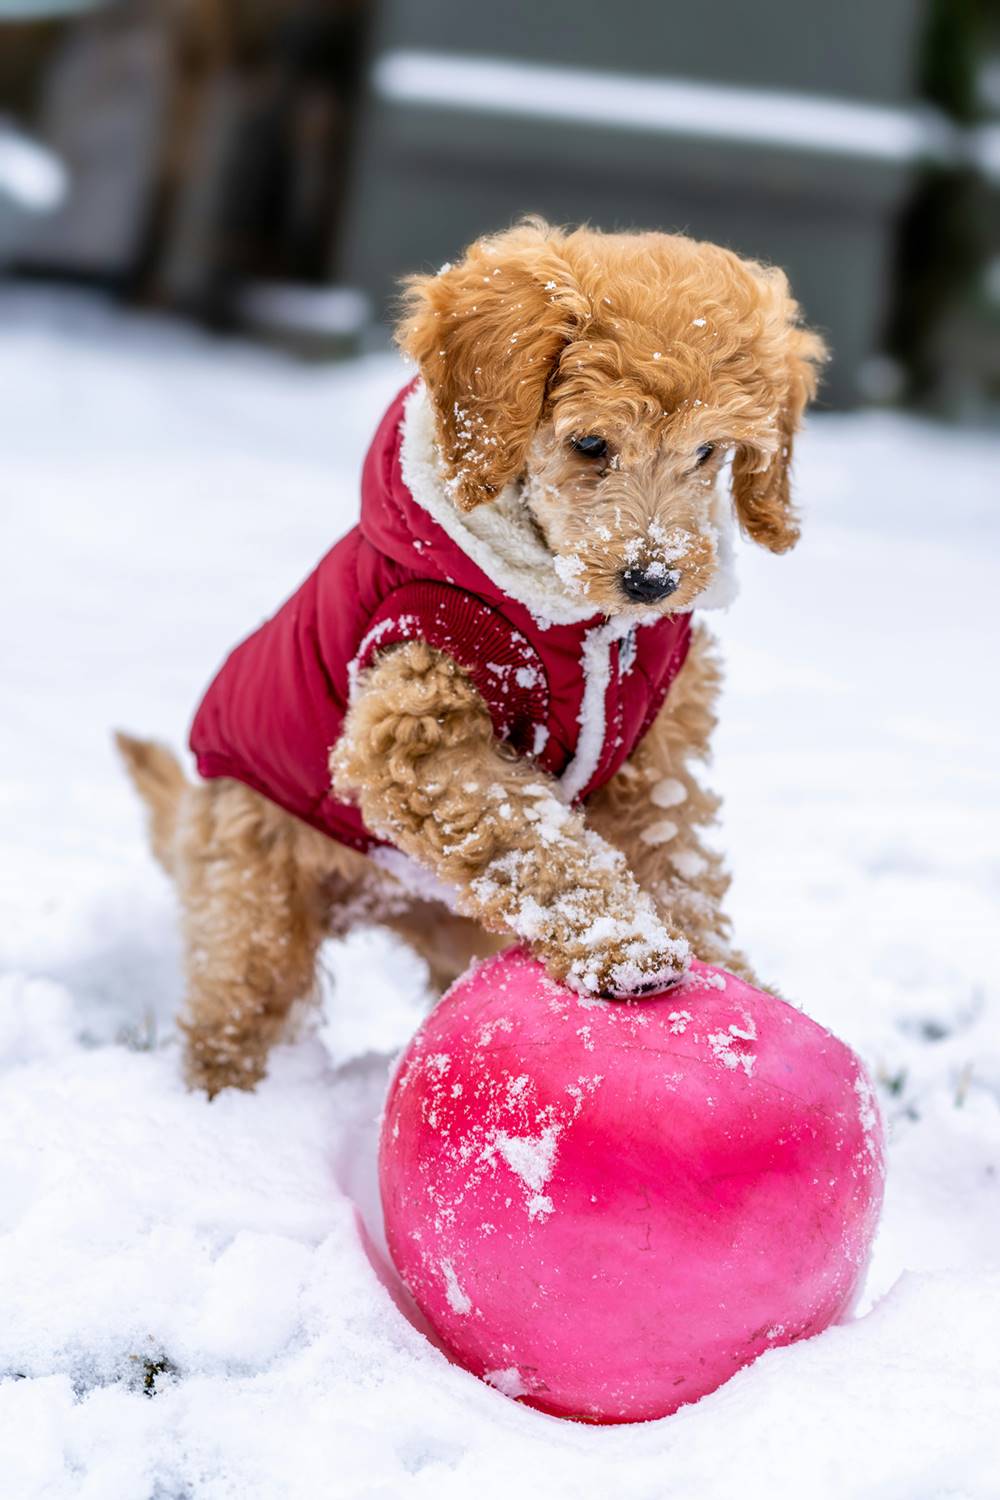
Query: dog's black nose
x=649, y=586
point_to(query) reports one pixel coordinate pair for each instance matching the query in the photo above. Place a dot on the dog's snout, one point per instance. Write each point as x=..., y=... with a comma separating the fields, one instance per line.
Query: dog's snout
x=649, y=585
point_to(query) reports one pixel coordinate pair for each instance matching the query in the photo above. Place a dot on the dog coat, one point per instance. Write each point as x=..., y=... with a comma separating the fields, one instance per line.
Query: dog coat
x=567, y=688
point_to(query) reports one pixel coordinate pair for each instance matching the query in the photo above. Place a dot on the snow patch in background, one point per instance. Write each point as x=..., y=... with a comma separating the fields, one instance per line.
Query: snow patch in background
x=191, y=1305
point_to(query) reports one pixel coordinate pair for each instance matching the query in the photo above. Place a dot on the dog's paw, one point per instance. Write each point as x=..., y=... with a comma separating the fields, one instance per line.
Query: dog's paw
x=211, y=1064
x=631, y=970
x=623, y=956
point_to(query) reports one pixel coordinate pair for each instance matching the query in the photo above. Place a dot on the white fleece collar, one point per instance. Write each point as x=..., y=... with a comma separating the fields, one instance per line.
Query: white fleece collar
x=501, y=540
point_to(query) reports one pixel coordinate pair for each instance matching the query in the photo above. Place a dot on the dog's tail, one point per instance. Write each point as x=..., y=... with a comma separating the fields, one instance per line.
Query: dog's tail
x=158, y=778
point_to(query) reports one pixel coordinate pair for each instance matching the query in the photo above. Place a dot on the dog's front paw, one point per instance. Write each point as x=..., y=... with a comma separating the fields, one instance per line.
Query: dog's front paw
x=622, y=956
x=629, y=970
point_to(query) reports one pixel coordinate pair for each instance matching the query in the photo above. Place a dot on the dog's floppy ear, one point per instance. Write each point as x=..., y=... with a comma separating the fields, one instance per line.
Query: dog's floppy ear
x=487, y=334
x=761, y=472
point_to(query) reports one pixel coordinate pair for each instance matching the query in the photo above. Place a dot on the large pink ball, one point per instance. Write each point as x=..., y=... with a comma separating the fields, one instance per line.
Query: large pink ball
x=607, y=1209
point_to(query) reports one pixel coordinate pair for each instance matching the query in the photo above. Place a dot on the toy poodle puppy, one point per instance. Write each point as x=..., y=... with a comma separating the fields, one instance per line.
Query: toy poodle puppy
x=483, y=716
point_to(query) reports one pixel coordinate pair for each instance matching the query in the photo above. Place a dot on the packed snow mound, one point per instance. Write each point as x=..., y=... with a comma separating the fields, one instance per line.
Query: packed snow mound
x=195, y=1299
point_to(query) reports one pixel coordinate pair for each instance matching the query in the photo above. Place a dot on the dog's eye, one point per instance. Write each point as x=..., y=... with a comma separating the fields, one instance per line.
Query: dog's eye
x=590, y=446
x=703, y=454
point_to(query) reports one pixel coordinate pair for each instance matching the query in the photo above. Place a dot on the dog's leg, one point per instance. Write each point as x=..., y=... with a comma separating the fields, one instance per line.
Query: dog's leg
x=249, y=881
x=417, y=752
x=253, y=921
x=656, y=811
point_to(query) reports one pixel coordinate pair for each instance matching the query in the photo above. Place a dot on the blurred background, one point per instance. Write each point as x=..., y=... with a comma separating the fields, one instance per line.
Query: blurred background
x=270, y=168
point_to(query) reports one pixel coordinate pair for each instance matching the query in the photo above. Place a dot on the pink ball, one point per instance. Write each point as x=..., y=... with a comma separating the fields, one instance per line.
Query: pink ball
x=607, y=1209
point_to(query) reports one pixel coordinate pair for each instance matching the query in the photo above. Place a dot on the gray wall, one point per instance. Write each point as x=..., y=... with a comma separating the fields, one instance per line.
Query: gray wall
x=430, y=177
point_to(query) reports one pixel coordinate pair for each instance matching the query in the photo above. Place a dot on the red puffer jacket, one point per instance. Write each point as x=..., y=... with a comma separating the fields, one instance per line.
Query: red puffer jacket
x=574, y=691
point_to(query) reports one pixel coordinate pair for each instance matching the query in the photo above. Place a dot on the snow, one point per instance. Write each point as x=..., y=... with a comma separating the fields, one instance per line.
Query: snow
x=531, y=1157
x=509, y=1381
x=668, y=793
x=669, y=106
x=729, y=1055
x=660, y=832
x=196, y=1302
x=29, y=173
x=302, y=309
x=458, y=1300
x=986, y=150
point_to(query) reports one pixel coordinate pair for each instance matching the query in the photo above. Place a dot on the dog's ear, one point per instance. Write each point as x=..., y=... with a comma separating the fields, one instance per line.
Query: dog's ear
x=487, y=334
x=789, y=367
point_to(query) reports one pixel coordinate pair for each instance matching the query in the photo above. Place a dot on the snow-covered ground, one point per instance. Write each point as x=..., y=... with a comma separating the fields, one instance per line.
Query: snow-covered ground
x=188, y=1310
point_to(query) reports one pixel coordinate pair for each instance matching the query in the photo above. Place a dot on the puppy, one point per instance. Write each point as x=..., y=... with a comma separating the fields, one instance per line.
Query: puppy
x=482, y=717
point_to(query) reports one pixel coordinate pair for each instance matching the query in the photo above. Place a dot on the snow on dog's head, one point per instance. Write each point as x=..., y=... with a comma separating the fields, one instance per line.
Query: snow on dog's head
x=607, y=379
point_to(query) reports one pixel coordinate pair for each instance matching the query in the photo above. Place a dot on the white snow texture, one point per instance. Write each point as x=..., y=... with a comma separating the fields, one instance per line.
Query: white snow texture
x=189, y=1308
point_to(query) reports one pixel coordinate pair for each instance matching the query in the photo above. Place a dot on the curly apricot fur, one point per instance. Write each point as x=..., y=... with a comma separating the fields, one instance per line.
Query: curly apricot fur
x=634, y=331
x=662, y=345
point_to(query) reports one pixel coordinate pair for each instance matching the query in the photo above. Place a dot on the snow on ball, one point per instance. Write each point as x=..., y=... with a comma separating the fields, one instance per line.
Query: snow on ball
x=607, y=1209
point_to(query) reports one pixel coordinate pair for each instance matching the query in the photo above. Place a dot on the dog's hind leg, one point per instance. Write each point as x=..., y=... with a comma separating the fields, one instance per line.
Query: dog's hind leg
x=254, y=915
x=252, y=919
x=259, y=891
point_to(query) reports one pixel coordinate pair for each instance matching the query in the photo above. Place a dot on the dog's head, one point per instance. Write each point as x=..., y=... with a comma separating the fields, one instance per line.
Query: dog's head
x=612, y=374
